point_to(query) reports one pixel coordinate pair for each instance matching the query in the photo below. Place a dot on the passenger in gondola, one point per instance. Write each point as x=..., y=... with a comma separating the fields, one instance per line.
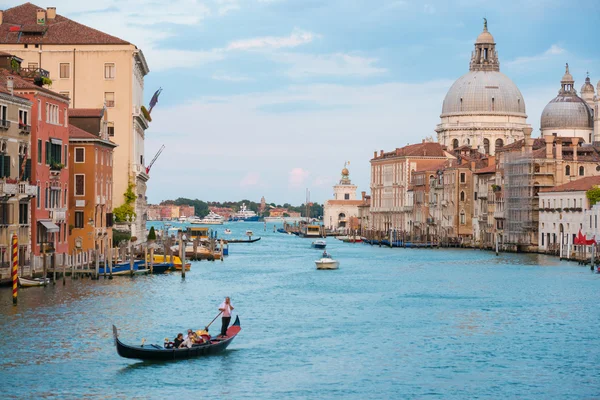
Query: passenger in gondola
x=189, y=342
x=178, y=341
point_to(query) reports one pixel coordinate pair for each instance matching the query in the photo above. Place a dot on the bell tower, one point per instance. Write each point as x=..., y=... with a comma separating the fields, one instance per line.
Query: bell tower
x=484, y=57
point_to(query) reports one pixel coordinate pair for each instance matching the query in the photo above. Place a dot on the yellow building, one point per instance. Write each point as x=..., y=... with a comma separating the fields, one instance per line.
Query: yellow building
x=94, y=70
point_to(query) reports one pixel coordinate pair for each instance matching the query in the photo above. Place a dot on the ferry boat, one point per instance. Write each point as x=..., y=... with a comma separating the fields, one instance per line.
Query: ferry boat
x=244, y=215
x=193, y=219
x=211, y=219
x=182, y=219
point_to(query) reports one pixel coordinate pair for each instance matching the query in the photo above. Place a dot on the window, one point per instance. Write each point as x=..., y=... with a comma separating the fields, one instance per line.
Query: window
x=475, y=194
x=52, y=113
x=66, y=157
x=39, y=151
x=110, y=128
x=4, y=166
x=462, y=196
x=346, y=196
x=78, y=219
x=3, y=114
x=79, y=154
x=581, y=171
x=142, y=160
x=568, y=170
x=23, y=118
x=53, y=152
x=38, y=199
x=463, y=218
x=23, y=213
x=5, y=213
x=463, y=177
x=96, y=156
x=65, y=70
x=79, y=184
x=32, y=65
x=46, y=197
x=109, y=71
x=109, y=99
x=39, y=110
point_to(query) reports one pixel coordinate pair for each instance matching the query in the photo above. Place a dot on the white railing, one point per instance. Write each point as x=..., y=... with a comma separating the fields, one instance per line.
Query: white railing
x=27, y=189
x=9, y=189
x=58, y=214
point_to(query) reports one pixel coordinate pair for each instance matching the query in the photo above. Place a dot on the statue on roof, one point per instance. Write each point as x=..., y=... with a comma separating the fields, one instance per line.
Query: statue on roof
x=485, y=24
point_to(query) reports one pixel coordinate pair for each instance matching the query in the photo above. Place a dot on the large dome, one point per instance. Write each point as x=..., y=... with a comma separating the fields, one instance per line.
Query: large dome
x=567, y=112
x=484, y=92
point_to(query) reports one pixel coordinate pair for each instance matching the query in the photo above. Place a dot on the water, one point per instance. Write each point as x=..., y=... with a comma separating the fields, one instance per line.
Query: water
x=390, y=323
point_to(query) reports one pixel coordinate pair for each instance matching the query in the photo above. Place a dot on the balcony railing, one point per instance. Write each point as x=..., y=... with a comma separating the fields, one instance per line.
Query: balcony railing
x=33, y=72
x=4, y=124
x=58, y=214
x=8, y=189
x=24, y=128
x=27, y=189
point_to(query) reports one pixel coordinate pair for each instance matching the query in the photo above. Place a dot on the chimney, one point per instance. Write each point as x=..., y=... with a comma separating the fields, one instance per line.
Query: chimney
x=575, y=142
x=51, y=13
x=1, y=17
x=10, y=84
x=381, y=153
x=363, y=194
x=375, y=154
x=558, y=148
x=41, y=16
x=528, y=140
x=549, y=139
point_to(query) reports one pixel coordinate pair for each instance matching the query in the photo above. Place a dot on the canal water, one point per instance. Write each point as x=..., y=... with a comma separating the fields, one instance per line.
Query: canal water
x=390, y=323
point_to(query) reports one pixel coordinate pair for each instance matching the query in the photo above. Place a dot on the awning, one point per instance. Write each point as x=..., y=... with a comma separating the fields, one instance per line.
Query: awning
x=55, y=141
x=50, y=226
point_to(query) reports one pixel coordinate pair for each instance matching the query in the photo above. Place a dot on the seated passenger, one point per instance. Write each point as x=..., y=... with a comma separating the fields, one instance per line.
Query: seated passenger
x=188, y=342
x=168, y=344
x=177, y=342
x=203, y=333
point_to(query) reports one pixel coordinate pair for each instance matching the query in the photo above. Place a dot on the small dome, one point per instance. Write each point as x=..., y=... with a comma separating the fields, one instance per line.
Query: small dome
x=345, y=171
x=567, y=112
x=484, y=92
x=587, y=86
x=485, y=37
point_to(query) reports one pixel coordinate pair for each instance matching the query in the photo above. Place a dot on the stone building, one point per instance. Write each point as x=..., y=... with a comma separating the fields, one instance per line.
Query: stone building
x=483, y=109
x=94, y=70
x=343, y=209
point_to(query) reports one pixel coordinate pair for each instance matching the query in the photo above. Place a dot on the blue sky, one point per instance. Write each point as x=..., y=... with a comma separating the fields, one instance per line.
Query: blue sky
x=270, y=97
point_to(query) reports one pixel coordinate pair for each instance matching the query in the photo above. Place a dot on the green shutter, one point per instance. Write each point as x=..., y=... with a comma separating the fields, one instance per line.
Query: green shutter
x=48, y=154
x=6, y=166
x=27, y=170
x=39, y=149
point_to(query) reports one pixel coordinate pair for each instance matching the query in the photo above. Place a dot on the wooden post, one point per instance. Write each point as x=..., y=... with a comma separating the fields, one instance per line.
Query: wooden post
x=146, y=257
x=151, y=259
x=195, y=244
x=43, y=261
x=110, y=262
x=130, y=258
x=182, y=255
x=73, y=261
x=97, y=259
x=222, y=247
x=105, y=256
x=64, y=263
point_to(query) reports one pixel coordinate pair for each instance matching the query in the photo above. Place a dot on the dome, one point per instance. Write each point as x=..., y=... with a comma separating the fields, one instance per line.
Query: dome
x=587, y=86
x=485, y=37
x=567, y=112
x=484, y=92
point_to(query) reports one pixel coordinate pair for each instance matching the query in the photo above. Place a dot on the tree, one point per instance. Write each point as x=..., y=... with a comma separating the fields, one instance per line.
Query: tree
x=152, y=234
x=593, y=195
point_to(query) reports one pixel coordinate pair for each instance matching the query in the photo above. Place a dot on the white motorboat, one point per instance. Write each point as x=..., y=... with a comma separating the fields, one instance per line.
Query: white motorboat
x=24, y=282
x=211, y=219
x=326, y=262
x=227, y=231
x=193, y=219
x=245, y=215
x=182, y=219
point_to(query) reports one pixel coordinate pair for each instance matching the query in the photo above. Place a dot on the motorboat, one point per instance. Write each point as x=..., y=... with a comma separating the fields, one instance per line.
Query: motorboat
x=182, y=219
x=211, y=219
x=24, y=282
x=193, y=220
x=326, y=262
x=319, y=244
x=244, y=215
x=227, y=231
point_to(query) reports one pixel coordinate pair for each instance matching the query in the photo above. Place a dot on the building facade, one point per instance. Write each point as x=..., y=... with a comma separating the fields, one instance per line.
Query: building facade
x=94, y=70
x=342, y=211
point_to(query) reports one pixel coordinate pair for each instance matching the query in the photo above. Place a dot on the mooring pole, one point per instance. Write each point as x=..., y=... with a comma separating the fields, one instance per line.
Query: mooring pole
x=15, y=266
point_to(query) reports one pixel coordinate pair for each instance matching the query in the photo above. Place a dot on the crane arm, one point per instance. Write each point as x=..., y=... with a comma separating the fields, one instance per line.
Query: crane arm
x=155, y=158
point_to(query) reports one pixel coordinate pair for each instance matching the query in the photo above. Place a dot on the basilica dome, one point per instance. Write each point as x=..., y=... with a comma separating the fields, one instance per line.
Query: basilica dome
x=567, y=110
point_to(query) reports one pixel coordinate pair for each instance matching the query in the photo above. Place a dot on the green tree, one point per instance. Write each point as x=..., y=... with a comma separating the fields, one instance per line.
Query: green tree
x=593, y=195
x=151, y=234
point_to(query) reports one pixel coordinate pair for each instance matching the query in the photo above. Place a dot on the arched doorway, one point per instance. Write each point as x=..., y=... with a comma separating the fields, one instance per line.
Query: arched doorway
x=486, y=146
x=341, y=220
x=498, y=145
x=454, y=144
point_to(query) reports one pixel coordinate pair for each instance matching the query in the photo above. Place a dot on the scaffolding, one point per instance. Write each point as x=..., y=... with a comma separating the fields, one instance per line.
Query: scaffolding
x=520, y=230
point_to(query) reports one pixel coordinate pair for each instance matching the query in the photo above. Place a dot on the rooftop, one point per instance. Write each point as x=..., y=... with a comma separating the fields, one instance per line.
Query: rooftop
x=426, y=149
x=580, y=185
x=86, y=112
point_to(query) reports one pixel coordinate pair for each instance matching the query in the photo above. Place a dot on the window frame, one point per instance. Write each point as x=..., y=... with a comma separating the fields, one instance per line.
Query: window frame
x=75, y=155
x=60, y=70
x=114, y=71
x=75, y=192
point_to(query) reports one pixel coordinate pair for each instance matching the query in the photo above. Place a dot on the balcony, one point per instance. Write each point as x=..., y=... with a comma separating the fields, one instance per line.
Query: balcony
x=8, y=189
x=58, y=215
x=27, y=189
x=4, y=124
x=24, y=128
x=33, y=72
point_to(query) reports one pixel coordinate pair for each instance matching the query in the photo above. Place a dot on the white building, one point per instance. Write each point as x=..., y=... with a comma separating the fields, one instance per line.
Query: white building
x=338, y=213
x=564, y=211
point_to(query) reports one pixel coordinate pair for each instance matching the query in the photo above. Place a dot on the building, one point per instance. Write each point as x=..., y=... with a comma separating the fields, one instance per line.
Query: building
x=225, y=212
x=187, y=211
x=568, y=115
x=565, y=211
x=48, y=125
x=342, y=211
x=16, y=188
x=483, y=109
x=90, y=200
x=153, y=213
x=483, y=198
x=94, y=70
x=390, y=179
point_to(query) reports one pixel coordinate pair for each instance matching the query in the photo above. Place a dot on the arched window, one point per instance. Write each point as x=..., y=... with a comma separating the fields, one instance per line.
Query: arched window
x=499, y=144
x=493, y=105
x=463, y=217
x=486, y=146
x=581, y=171
x=461, y=108
x=454, y=143
x=462, y=196
x=568, y=170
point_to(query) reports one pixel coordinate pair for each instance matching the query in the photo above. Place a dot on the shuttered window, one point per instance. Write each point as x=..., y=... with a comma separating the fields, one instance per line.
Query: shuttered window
x=79, y=184
x=4, y=166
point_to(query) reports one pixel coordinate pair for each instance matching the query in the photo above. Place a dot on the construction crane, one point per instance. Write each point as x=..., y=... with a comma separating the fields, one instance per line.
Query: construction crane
x=154, y=159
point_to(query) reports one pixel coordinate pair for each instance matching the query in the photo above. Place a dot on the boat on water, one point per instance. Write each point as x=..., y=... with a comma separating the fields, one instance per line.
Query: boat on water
x=326, y=262
x=227, y=231
x=124, y=268
x=155, y=352
x=161, y=258
x=311, y=231
x=243, y=240
x=31, y=282
x=244, y=215
x=211, y=219
x=182, y=219
x=193, y=220
x=319, y=244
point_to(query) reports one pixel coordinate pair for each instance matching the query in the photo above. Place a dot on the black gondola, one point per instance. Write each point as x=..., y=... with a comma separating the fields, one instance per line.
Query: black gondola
x=155, y=352
x=243, y=240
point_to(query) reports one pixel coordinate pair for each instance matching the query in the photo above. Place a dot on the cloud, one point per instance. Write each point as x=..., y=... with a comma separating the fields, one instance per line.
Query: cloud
x=523, y=62
x=297, y=177
x=226, y=6
x=296, y=38
x=166, y=59
x=338, y=64
x=251, y=179
x=230, y=78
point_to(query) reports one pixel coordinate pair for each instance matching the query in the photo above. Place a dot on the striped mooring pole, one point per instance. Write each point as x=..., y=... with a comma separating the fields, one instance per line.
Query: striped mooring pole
x=15, y=263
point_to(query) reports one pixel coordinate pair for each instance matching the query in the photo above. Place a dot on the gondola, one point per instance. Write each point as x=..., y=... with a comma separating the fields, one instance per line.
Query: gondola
x=155, y=352
x=243, y=240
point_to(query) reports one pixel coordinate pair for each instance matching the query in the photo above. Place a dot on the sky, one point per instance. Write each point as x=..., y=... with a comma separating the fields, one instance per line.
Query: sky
x=271, y=97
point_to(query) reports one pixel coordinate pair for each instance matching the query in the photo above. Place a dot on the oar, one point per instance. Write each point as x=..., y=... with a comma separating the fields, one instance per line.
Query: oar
x=206, y=327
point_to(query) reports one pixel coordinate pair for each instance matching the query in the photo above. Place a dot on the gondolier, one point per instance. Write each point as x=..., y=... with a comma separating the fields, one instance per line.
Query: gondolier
x=226, y=309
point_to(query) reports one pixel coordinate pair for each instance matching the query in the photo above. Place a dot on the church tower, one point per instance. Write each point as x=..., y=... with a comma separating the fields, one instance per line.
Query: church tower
x=344, y=190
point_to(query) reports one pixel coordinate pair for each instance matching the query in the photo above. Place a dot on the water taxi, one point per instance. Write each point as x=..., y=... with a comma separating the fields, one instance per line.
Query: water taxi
x=161, y=258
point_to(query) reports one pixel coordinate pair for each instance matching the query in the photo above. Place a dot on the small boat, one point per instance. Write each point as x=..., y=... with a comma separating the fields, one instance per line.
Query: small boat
x=123, y=268
x=155, y=352
x=319, y=244
x=161, y=268
x=182, y=219
x=244, y=215
x=24, y=282
x=160, y=258
x=227, y=231
x=243, y=240
x=326, y=262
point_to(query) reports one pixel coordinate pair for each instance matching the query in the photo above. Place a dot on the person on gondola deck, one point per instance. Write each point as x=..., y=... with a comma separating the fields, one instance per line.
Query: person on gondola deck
x=226, y=309
x=178, y=340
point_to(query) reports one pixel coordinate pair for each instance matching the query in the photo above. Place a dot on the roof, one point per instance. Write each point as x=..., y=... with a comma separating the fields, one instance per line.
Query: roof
x=80, y=134
x=580, y=185
x=426, y=149
x=20, y=83
x=86, y=112
x=345, y=202
x=60, y=30
x=487, y=170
